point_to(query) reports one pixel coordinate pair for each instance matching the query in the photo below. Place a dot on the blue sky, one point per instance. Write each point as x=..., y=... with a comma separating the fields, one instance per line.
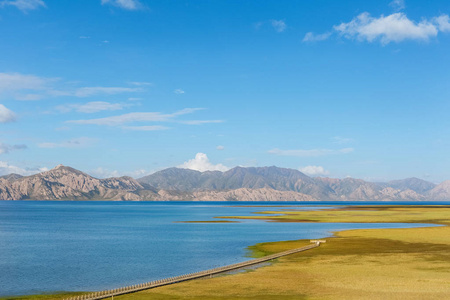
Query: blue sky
x=127, y=87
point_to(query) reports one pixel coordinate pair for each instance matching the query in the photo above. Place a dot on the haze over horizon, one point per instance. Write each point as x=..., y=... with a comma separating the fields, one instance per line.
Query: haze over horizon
x=131, y=87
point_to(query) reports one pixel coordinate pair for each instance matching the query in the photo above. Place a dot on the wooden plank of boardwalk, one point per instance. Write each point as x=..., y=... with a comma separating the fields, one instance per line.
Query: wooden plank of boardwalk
x=191, y=276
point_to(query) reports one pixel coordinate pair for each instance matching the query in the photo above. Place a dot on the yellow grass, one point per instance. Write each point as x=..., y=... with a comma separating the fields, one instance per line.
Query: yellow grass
x=360, y=214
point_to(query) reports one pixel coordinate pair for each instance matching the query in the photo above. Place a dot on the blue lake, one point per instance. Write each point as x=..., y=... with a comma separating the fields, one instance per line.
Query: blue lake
x=88, y=246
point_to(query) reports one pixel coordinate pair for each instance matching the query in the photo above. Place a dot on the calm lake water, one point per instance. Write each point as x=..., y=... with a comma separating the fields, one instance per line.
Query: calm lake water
x=88, y=246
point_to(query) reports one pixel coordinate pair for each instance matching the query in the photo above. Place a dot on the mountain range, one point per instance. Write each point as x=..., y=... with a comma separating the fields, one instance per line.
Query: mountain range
x=237, y=184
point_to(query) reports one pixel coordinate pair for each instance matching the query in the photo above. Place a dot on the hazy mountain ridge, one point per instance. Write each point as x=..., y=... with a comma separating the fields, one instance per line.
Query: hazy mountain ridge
x=415, y=184
x=237, y=184
x=11, y=177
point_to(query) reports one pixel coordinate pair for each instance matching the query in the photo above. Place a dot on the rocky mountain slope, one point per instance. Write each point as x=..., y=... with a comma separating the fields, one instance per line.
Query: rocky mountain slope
x=237, y=184
x=65, y=183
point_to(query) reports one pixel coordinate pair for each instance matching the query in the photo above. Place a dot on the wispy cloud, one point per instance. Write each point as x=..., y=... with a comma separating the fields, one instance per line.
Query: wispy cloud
x=258, y=25
x=31, y=87
x=136, y=117
x=6, y=168
x=395, y=28
x=341, y=140
x=106, y=173
x=220, y=147
x=72, y=143
x=103, y=173
x=141, y=83
x=91, y=107
x=278, y=25
x=146, y=128
x=96, y=90
x=125, y=4
x=200, y=122
x=201, y=163
x=6, y=115
x=5, y=148
x=314, y=170
x=16, y=81
x=23, y=5
x=310, y=152
x=29, y=97
x=311, y=37
x=397, y=5
x=179, y=91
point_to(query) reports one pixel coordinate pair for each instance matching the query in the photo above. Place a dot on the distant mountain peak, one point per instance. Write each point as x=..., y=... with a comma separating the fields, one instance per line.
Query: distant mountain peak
x=240, y=183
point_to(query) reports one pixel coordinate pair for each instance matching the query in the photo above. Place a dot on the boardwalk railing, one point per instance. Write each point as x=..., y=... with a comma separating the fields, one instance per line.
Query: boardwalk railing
x=190, y=276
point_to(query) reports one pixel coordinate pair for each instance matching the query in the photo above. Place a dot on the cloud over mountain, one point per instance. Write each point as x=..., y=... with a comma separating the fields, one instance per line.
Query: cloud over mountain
x=314, y=170
x=201, y=163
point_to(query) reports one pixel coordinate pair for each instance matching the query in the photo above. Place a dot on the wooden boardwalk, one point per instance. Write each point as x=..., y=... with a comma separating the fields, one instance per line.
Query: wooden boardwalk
x=191, y=276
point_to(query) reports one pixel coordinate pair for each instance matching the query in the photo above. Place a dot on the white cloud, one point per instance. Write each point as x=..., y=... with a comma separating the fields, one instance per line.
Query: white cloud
x=200, y=122
x=393, y=28
x=314, y=170
x=5, y=148
x=6, y=115
x=396, y=28
x=443, y=23
x=83, y=37
x=72, y=143
x=125, y=4
x=146, y=128
x=179, y=91
x=136, y=117
x=278, y=25
x=397, y=4
x=90, y=107
x=311, y=37
x=24, y=5
x=201, y=163
x=310, y=152
x=220, y=147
